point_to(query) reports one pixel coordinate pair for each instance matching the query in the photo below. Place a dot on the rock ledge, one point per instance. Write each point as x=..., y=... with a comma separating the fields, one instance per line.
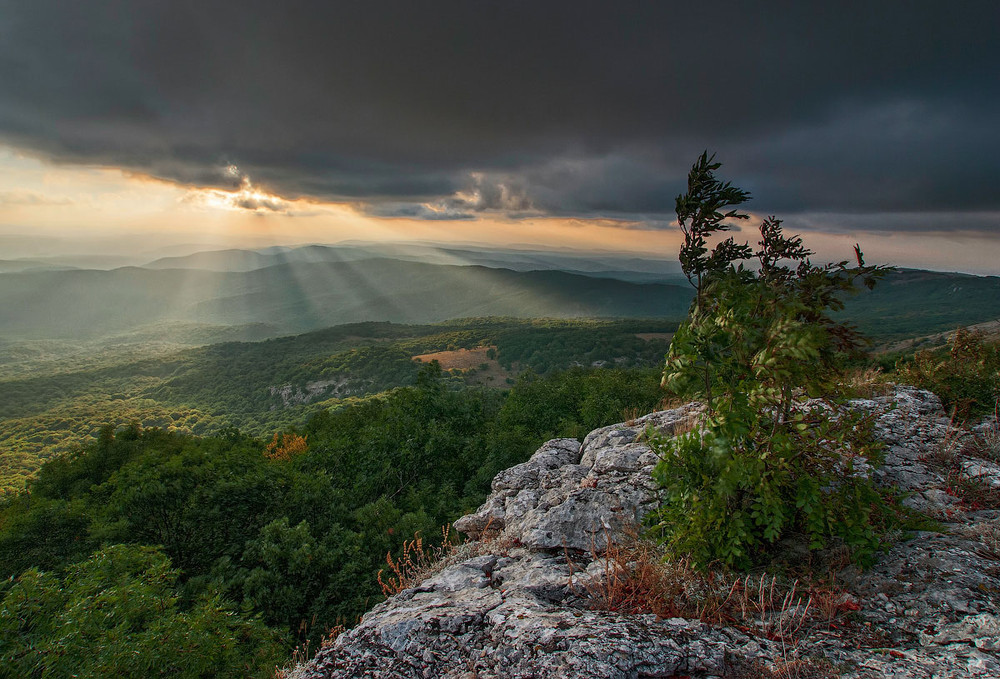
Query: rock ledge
x=510, y=605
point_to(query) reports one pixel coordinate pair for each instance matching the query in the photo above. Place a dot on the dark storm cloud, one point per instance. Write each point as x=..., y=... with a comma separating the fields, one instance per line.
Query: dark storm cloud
x=448, y=109
x=968, y=223
x=428, y=211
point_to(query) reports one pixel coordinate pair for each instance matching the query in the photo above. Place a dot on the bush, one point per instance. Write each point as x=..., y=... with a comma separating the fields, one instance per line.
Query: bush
x=734, y=488
x=760, y=467
x=118, y=614
x=966, y=376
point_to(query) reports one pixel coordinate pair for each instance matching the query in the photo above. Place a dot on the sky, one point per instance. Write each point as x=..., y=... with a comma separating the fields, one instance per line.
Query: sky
x=148, y=124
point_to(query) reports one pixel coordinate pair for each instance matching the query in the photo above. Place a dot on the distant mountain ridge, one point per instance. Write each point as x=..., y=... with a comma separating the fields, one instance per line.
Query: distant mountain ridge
x=249, y=260
x=911, y=302
x=20, y=265
x=628, y=268
x=301, y=296
x=297, y=289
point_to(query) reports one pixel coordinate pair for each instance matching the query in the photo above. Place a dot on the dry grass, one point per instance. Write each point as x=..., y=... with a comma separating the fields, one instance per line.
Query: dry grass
x=865, y=383
x=974, y=490
x=475, y=365
x=987, y=534
x=947, y=456
x=689, y=423
x=986, y=442
x=303, y=653
x=458, y=359
x=417, y=562
x=670, y=402
x=633, y=579
x=797, y=668
x=420, y=561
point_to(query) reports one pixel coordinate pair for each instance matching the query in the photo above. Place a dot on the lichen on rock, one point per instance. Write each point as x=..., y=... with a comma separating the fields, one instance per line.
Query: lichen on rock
x=517, y=606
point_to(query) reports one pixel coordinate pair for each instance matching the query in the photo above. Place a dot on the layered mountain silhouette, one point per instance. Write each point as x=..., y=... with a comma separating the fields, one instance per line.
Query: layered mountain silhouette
x=300, y=296
x=290, y=290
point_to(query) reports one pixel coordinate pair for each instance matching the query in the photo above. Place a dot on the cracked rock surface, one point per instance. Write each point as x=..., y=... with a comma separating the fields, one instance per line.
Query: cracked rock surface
x=513, y=605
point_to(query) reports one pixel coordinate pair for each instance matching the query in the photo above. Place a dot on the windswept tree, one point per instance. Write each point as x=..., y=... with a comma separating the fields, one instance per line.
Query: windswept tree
x=760, y=332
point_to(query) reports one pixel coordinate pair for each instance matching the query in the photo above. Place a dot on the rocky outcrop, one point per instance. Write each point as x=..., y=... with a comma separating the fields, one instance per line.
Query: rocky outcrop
x=573, y=496
x=292, y=395
x=514, y=603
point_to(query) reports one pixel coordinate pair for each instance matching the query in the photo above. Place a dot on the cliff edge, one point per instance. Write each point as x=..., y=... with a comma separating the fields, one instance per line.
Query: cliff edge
x=518, y=600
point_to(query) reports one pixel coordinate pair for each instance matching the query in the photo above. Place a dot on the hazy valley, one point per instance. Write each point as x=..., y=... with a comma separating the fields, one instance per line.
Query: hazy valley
x=276, y=421
x=207, y=340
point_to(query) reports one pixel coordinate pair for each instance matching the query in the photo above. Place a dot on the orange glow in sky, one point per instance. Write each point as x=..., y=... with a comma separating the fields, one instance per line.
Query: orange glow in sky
x=79, y=202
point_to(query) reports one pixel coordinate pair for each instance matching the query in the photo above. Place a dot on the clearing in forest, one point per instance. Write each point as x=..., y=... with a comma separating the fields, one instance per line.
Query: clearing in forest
x=470, y=359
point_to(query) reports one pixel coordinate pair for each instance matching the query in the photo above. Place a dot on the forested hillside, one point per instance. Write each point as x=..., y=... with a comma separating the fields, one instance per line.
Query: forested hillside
x=261, y=387
x=909, y=302
x=216, y=554
x=228, y=502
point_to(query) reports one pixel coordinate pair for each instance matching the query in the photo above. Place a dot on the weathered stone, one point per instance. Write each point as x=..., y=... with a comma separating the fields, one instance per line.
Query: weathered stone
x=569, y=496
x=987, y=473
x=518, y=610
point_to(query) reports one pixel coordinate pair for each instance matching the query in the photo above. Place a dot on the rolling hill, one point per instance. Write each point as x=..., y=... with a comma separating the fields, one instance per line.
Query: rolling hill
x=604, y=265
x=302, y=296
x=264, y=386
x=198, y=298
x=910, y=302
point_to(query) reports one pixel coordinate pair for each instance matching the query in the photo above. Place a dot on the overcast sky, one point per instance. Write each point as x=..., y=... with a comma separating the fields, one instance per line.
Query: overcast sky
x=854, y=117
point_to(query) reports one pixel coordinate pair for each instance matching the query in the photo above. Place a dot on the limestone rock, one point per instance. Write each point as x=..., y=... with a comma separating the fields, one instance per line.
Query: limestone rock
x=512, y=605
x=572, y=496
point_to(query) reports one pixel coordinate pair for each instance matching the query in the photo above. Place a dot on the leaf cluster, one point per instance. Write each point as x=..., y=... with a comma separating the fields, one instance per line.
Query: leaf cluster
x=117, y=614
x=965, y=374
x=761, y=336
x=733, y=489
x=701, y=212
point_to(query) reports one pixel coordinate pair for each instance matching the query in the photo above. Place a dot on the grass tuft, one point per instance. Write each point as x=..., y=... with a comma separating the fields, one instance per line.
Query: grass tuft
x=632, y=577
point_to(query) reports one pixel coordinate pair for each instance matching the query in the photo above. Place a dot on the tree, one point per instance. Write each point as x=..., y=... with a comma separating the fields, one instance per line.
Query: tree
x=755, y=339
x=285, y=446
x=118, y=614
x=700, y=215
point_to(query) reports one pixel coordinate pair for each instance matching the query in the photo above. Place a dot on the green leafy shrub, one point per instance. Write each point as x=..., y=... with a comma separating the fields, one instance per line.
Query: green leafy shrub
x=761, y=468
x=734, y=488
x=117, y=615
x=966, y=375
